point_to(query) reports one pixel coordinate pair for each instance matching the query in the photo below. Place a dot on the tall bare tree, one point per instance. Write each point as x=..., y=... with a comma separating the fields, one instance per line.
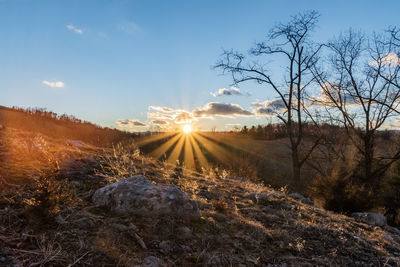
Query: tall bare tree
x=292, y=41
x=362, y=86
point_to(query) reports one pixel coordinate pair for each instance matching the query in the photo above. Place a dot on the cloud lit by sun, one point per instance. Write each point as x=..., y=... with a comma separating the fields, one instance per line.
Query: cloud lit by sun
x=187, y=128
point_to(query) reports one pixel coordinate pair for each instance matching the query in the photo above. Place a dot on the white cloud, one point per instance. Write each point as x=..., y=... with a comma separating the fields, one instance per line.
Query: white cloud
x=57, y=84
x=175, y=116
x=161, y=109
x=129, y=123
x=74, y=29
x=183, y=117
x=391, y=59
x=331, y=93
x=227, y=92
x=221, y=109
x=269, y=107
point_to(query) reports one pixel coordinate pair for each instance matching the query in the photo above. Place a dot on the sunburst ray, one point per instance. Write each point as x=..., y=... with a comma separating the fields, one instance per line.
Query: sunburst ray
x=198, y=153
x=160, y=151
x=189, y=156
x=215, y=149
x=177, y=151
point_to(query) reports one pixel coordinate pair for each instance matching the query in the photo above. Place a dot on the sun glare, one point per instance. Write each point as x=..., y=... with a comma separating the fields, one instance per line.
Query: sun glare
x=187, y=128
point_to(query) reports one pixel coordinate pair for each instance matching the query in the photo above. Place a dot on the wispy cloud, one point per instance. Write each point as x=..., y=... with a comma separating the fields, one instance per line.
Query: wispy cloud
x=159, y=115
x=130, y=123
x=128, y=27
x=221, y=109
x=74, y=29
x=161, y=109
x=57, y=84
x=159, y=122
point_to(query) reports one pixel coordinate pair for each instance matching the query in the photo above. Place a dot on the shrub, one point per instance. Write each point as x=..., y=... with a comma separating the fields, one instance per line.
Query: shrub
x=390, y=194
x=48, y=196
x=343, y=193
x=119, y=162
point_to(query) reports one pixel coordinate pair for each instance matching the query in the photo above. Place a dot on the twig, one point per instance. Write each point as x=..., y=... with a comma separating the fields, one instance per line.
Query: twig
x=139, y=240
x=75, y=262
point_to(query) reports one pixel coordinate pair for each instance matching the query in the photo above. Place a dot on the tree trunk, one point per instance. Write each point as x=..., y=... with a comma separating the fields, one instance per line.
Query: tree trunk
x=296, y=169
x=368, y=160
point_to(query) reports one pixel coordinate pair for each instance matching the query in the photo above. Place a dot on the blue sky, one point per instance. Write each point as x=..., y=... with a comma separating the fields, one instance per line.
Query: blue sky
x=109, y=61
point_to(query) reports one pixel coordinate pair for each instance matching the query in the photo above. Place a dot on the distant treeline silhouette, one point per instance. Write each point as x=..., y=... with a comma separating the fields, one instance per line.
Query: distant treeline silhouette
x=274, y=131
x=39, y=120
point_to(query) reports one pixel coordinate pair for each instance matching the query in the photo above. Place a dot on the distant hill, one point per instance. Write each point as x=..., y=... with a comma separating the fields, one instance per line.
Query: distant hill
x=59, y=126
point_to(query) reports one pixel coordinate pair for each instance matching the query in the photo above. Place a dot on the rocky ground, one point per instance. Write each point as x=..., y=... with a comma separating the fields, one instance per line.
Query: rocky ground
x=53, y=217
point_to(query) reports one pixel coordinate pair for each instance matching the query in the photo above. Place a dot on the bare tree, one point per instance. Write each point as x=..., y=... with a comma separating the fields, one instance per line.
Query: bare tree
x=395, y=34
x=292, y=41
x=361, y=90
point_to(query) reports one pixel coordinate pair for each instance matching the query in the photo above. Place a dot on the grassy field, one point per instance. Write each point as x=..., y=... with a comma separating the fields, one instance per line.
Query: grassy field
x=266, y=160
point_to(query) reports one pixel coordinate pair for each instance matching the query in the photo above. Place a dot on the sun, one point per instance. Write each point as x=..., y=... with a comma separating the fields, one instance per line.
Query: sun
x=187, y=128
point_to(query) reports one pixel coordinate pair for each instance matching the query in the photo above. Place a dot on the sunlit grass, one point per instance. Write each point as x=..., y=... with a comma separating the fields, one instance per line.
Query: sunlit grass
x=187, y=147
x=176, y=152
x=160, y=151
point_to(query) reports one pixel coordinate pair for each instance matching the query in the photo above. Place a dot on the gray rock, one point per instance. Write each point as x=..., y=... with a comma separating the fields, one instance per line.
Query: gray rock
x=370, y=218
x=287, y=206
x=392, y=230
x=301, y=198
x=184, y=233
x=120, y=227
x=60, y=219
x=165, y=246
x=84, y=222
x=138, y=196
x=152, y=261
x=261, y=198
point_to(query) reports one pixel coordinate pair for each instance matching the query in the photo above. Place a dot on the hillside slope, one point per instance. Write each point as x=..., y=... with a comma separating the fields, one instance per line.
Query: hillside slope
x=50, y=220
x=40, y=121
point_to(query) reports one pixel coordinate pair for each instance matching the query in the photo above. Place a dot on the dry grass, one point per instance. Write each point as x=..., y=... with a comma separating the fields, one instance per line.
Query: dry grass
x=232, y=231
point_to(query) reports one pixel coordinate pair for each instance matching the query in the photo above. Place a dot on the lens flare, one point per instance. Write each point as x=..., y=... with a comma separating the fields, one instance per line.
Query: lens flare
x=187, y=128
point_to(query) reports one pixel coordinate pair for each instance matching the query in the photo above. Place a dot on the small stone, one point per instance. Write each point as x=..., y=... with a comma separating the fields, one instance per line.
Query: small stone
x=165, y=246
x=301, y=198
x=60, y=219
x=184, y=233
x=392, y=229
x=84, y=222
x=389, y=237
x=287, y=206
x=261, y=198
x=120, y=227
x=132, y=227
x=370, y=218
x=152, y=261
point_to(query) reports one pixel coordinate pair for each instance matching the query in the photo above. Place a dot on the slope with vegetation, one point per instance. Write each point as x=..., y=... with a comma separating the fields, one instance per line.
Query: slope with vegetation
x=50, y=219
x=38, y=120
